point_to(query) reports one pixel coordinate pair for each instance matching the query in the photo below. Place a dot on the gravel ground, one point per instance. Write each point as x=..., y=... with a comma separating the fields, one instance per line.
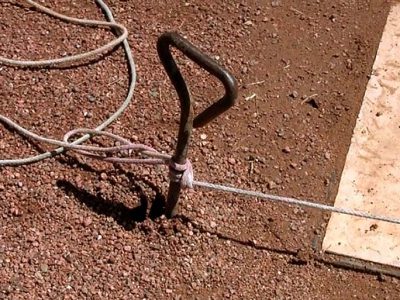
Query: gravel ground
x=74, y=228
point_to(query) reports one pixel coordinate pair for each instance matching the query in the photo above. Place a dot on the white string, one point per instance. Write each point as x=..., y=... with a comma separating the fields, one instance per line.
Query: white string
x=294, y=201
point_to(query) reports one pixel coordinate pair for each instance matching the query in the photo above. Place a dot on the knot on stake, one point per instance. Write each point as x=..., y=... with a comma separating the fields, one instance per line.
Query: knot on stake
x=182, y=173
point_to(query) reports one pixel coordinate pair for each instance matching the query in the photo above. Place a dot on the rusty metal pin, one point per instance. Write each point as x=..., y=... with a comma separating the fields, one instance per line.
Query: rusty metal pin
x=187, y=122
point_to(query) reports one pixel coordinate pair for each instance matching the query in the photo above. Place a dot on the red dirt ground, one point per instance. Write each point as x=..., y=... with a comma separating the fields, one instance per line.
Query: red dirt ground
x=73, y=228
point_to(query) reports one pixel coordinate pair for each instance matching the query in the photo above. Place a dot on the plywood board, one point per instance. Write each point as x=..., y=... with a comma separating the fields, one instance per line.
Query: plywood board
x=371, y=176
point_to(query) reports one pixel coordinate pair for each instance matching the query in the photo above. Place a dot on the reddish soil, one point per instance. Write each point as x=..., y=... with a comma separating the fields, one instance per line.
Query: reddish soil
x=74, y=228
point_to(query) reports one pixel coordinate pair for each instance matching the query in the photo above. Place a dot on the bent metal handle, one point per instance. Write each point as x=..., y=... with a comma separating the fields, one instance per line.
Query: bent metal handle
x=187, y=123
x=228, y=100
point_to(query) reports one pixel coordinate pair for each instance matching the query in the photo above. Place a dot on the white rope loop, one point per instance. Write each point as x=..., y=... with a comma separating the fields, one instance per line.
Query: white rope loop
x=73, y=58
x=69, y=59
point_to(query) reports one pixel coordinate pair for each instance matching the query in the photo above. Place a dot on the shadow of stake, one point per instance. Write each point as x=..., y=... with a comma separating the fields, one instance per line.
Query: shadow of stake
x=124, y=216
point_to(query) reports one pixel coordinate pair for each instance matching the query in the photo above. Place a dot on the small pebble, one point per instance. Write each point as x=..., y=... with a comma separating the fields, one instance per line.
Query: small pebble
x=87, y=222
x=16, y=212
x=44, y=268
x=272, y=185
x=294, y=94
x=327, y=155
x=286, y=149
x=275, y=3
x=38, y=275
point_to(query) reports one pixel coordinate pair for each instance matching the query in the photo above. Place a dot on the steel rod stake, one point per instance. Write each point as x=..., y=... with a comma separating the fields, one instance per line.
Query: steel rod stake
x=187, y=122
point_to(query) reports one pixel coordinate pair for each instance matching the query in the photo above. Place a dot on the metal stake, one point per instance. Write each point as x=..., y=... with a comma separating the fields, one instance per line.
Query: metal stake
x=187, y=122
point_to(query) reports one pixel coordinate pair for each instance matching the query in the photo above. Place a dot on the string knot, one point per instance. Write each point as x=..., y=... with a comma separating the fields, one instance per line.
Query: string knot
x=182, y=173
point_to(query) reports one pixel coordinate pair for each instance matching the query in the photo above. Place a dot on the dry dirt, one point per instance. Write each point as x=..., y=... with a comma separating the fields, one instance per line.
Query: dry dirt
x=73, y=228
